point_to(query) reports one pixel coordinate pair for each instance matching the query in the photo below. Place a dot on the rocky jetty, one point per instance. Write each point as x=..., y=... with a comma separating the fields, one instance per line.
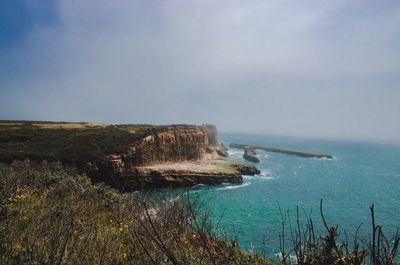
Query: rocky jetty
x=250, y=155
x=282, y=150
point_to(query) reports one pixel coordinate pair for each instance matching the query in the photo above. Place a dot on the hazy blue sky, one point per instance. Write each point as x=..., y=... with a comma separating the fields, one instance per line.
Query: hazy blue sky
x=307, y=68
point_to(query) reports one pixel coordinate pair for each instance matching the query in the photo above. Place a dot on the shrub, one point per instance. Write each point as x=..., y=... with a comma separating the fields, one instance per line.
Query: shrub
x=55, y=217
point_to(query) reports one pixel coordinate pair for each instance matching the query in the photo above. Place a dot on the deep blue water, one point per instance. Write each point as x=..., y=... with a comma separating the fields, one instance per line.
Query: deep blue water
x=360, y=175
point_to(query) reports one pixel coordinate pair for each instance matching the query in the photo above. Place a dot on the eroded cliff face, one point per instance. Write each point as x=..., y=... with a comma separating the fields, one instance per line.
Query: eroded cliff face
x=173, y=144
x=176, y=143
x=125, y=156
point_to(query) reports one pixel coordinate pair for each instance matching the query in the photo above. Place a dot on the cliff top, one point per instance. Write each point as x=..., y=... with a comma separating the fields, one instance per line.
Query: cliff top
x=70, y=142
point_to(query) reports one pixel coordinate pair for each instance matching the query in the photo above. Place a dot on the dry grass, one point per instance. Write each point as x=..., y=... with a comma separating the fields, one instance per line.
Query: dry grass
x=67, y=142
x=69, y=125
x=11, y=123
x=52, y=217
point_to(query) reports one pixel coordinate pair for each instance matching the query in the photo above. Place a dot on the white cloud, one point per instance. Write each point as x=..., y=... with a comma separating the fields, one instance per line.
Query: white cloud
x=309, y=68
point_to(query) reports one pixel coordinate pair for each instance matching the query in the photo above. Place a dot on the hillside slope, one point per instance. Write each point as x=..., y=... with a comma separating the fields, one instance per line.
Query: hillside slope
x=124, y=156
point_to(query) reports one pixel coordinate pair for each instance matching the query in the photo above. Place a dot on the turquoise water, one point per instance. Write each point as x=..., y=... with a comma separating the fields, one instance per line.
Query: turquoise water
x=360, y=175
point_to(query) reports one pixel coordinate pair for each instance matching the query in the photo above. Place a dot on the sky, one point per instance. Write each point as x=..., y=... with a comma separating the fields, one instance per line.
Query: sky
x=327, y=69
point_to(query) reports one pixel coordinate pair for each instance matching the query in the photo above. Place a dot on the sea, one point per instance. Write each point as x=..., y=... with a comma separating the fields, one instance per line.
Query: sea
x=361, y=174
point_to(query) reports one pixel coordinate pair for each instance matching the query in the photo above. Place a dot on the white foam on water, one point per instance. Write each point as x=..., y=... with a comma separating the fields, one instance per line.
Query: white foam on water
x=265, y=173
x=246, y=177
x=266, y=177
x=235, y=152
x=326, y=159
x=232, y=187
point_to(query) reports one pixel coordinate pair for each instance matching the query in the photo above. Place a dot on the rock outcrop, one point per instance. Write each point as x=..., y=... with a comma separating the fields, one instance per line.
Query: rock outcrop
x=174, y=143
x=223, y=151
x=176, y=156
x=125, y=156
x=250, y=155
x=184, y=174
x=245, y=169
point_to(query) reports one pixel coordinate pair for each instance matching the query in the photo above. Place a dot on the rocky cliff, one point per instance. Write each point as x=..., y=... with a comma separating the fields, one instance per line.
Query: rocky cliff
x=127, y=156
x=177, y=155
x=174, y=143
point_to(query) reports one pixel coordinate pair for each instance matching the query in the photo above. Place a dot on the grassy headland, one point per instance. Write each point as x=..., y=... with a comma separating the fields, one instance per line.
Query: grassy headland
x=119, y=154
x=63, y=141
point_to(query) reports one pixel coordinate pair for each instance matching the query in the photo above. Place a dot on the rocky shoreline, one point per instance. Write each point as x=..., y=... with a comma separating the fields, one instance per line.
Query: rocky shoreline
x=147, y=156
x=177, y=174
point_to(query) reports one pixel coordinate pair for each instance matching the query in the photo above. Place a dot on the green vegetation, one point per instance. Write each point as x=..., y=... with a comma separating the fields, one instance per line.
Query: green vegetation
x=59, y=218
x=50, y=216
x=306, y=248
x=67, y=142
x=55, y=217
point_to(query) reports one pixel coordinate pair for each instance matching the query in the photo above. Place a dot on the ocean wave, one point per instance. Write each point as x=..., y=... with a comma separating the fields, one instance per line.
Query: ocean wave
x=235, y=152
x=246, y=177
x=232, y=187
x=265, y=173
x=266, y=177
x=249, y=177
x=326, y=159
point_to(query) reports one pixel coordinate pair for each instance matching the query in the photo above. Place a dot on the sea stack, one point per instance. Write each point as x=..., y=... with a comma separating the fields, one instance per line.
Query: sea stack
x=250, y=154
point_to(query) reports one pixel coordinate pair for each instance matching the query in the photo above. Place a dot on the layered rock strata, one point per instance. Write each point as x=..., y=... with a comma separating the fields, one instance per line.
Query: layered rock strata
x=177, y=156
x=125, y=156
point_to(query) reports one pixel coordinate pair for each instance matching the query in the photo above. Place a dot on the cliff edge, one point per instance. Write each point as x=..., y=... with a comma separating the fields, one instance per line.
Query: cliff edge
x=127, y=157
